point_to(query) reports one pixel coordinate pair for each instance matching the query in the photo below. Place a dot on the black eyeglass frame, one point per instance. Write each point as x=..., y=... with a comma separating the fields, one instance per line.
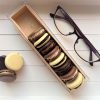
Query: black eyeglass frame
x=78, y=33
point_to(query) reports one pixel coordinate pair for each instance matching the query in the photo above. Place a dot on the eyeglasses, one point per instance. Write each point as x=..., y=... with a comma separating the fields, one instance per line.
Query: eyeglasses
x=66, y=26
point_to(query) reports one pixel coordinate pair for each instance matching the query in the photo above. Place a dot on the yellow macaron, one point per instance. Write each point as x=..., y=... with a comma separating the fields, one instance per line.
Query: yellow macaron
x=47, y=39
x=61, y=63
x=14, y=61
x=75, y=83
x=58, y=59
x=40, y=39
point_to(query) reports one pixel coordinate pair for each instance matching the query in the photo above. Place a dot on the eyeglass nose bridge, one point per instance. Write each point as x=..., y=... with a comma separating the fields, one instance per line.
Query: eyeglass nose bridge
x=76, y=40
x=75, y=32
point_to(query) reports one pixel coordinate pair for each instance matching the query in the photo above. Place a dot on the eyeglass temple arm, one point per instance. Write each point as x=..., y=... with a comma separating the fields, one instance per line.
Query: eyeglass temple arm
x=57, y=16
x=91, y=58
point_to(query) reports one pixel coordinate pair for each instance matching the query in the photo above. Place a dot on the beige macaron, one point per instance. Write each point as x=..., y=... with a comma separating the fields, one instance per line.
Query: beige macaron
x=75, y=83
x=14, y=61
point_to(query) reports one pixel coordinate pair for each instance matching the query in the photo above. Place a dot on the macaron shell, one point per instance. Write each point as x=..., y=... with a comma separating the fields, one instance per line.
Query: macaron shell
x=14, y=61
x=57, y=60
x=76, y=82
x=40, y=39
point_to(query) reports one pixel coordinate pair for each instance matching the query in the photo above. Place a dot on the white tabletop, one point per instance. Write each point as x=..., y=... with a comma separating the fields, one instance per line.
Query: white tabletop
x=35, y=79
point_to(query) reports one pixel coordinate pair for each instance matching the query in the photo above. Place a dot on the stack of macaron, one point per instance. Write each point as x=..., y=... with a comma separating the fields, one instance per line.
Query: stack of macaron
x=9, y=65
x=56, y=58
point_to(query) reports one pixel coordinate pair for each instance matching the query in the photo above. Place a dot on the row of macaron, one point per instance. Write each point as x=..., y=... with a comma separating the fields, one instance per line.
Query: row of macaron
x=56, y=58
x=9, y=65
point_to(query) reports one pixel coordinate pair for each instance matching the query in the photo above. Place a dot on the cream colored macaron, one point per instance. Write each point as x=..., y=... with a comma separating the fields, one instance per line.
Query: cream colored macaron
x=77, y=82
x=61, y=63
x=44, y=42
x=14, y=61
x=40, y=39
x=58, y=59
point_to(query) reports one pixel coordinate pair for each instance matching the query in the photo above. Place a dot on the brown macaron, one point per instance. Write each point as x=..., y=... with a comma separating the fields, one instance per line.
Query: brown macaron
x=7, y=75
x=53, y=54
x=47, y=47
x=69, y=76
x=36, y=35
x=65, y=68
